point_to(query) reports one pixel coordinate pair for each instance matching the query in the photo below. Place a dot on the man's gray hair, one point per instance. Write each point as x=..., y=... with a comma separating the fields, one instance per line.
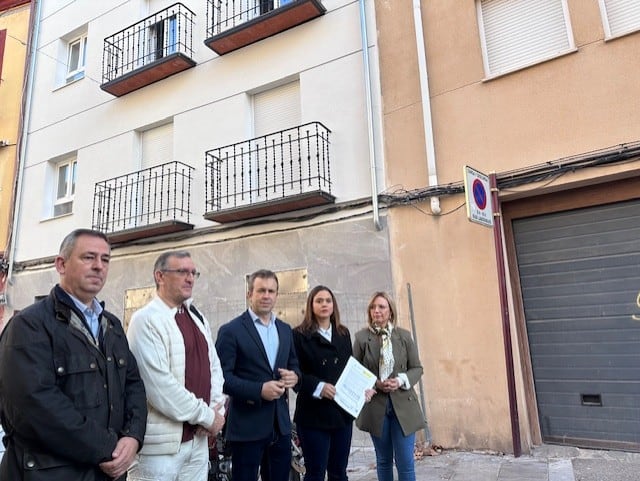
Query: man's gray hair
x=69, y=242
x=161, y=261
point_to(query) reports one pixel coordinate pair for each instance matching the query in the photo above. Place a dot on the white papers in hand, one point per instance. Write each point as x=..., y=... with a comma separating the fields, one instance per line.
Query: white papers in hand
x=351, y=385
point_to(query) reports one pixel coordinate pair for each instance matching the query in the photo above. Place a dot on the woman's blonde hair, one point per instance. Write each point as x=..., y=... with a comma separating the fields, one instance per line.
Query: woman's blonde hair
x=386, y=297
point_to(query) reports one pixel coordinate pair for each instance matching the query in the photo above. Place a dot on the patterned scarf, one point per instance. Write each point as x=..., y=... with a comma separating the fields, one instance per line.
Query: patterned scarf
x=386, y=353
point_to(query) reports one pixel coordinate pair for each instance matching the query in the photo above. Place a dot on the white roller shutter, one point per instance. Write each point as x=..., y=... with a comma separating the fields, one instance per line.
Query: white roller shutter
x=518, y=33
x=276, y=109
x=620, y=16
x=157, y=146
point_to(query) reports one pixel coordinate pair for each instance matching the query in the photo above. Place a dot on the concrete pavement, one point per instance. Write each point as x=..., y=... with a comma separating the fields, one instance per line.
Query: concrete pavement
x=545, y=463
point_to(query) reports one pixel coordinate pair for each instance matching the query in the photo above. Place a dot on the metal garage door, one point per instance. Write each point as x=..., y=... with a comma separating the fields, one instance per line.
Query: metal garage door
x=580, y=279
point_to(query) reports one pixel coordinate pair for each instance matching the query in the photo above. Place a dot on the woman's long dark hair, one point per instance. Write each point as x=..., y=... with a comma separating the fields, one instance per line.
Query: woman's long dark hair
x=310, y=323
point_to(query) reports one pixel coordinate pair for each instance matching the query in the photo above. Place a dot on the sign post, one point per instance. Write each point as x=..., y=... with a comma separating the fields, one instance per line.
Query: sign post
x=483, y=204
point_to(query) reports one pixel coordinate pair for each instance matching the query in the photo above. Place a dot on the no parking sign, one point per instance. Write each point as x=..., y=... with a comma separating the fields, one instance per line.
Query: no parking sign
x=478, y=194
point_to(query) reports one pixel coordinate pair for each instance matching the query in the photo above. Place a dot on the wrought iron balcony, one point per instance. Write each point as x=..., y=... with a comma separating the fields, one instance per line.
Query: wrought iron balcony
x=275, y=173
x=152, y=49
x=145, y=203
x=233, y=24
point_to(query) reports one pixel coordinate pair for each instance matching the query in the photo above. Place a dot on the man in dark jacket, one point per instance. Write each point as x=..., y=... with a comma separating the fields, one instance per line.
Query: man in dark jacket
x=72, y=403
x=259, y=365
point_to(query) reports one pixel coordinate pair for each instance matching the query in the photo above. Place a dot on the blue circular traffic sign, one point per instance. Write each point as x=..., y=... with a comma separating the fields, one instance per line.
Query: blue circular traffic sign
x=479, y=194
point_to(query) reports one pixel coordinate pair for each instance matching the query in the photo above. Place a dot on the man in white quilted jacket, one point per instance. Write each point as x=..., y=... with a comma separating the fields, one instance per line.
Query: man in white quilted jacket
x=177, y=359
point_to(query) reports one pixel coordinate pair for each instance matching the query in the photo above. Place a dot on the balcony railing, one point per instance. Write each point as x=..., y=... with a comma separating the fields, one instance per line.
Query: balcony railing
x=233, y=24
x=278, y=172
x=148, y=51
x=145, y=203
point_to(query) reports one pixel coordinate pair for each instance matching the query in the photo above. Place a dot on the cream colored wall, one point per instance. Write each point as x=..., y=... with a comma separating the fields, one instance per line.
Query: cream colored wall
x=16, y=22
x=209, y=104
x=456, y=309
x=574, y=104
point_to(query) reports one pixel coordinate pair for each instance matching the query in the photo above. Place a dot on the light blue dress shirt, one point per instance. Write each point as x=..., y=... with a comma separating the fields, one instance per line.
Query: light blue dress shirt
x=91, y=314
x=269, y=336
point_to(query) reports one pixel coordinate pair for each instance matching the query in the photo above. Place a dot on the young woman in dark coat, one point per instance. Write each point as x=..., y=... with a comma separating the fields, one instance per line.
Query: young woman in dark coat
x=323, y=346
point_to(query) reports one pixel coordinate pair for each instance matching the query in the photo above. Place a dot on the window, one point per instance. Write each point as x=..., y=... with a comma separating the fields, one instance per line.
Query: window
x=71, y=56
x=76, y=58
x=266, y=6
x=275, y=110
x=620, y=17
x=156, y=146
x=163, y=38
x=518, y=33
x=65, y=187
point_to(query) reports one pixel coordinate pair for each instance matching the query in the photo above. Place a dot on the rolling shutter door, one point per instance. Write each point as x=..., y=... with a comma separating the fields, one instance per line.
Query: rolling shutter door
x=580, y=280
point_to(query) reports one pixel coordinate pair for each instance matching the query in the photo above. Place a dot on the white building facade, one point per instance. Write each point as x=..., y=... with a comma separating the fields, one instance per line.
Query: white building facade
x=242, y=131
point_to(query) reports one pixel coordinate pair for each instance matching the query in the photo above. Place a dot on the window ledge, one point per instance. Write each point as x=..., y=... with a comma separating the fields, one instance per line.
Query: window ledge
x=65, y=84
x=52, y=217
x=529, y=65
x=620, y=35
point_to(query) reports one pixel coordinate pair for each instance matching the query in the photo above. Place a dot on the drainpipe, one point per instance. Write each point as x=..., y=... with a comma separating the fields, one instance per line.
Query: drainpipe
x=426, y=104
x=368, y=94
x=24, y=134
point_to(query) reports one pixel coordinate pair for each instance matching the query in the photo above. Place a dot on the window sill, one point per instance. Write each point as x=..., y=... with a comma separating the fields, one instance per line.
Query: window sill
x=66, y=83
x=49, y=219
x=620, y=35
x=529, y=65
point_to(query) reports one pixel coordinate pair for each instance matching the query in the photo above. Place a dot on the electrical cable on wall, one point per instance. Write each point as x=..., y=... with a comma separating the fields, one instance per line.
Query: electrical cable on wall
x=527, y=175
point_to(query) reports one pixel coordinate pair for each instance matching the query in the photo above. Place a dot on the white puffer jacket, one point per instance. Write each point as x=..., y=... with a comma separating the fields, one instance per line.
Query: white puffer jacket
x=158, y=346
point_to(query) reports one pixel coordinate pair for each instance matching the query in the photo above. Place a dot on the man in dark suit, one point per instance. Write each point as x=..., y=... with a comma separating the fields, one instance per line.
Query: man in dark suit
x=259, y=365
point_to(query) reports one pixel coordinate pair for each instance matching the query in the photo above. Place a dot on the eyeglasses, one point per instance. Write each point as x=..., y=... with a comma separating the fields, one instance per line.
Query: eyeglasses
x=183, y=272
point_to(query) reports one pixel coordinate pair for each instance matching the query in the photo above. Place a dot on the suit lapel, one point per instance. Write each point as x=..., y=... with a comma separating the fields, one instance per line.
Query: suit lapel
x=253, y=334
x=283, y=350
x=373, y=346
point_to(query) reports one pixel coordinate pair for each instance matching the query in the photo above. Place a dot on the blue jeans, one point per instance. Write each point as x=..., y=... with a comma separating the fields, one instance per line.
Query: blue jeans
x=394, y=444
x=325, y=450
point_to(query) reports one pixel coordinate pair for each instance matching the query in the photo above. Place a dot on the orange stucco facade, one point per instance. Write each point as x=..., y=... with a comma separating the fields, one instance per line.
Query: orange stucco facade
x=580, y=102
x=14, y=21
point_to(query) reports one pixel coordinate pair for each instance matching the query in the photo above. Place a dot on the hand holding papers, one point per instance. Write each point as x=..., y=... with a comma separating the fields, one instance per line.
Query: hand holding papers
x=350, y=388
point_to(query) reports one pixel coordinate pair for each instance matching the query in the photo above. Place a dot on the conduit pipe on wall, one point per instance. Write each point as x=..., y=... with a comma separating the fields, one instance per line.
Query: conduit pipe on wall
x=24, y=134
x=369, y=102
x=426, y=104
x=504, y=311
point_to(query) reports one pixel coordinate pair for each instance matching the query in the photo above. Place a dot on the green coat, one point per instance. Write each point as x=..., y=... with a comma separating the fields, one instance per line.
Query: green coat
x=366, y=349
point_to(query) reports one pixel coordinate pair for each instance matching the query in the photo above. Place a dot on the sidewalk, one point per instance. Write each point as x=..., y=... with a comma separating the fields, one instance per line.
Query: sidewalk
x=546, y=463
